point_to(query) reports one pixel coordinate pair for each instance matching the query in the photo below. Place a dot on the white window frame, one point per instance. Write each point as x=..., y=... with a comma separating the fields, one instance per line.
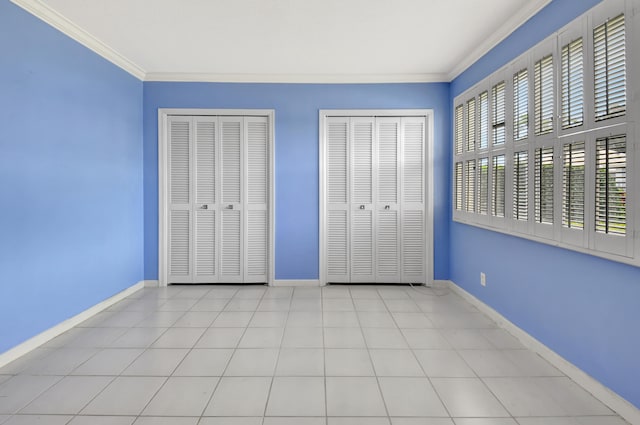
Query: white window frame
x=622, y=249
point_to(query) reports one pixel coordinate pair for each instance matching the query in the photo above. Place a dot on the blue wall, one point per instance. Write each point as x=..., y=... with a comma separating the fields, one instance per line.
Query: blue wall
x=70, y=177
x=582, y=307
x=296, y=159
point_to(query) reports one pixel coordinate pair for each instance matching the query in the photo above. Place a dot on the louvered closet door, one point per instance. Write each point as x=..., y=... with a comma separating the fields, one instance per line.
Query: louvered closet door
x=179, y=198
x=205, y=214
x=231, y=209
x=337, y=197
x=412, y=205
x=256, y=219
x=362, y=246
x=387, y=201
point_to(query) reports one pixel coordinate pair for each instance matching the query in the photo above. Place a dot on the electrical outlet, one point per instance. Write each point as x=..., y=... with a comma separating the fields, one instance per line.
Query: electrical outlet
x=483, y=279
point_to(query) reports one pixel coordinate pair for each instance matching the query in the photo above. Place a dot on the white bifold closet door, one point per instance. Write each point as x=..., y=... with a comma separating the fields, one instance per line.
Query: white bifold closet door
x=375, y=199
x=218, y=194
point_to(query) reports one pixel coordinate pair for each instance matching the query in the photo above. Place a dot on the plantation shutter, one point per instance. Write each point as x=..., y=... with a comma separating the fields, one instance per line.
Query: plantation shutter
x=610, y=69
x=498, y=109
x=470, y=185
x=337, y=199
x=543, y=95
x=257, y=180
x=498, y=186
x=483, y=118
x=573, y=185
x=471, y=125
x=543, y=185
x=572, y=84
x=457, y=187
x=611, y=185
x=483, y=186
x=459, y=128
x=520, y=186
x=520, y=105
x=179, y=238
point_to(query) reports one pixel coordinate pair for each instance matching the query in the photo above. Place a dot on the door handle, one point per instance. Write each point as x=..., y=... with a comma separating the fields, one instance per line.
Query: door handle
x=229, y=207
x=204, y=207
x=386, y=207
x=361, y=207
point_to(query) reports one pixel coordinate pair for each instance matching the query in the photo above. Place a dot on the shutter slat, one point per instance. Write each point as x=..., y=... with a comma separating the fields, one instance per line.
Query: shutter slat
x=470, y=185
x=520, y=186
x=498, y=107
x=543, y=95
x=498, y=186
x=573, y=185
x=230, y=247
x=459, y=126
x=611, y=185
x=483, y=186
x=483, y=118
x=362, y=145
x=387, y=244
x=257, y=242
x=361, y=243
x=179, y=243
x=412, y=243
x=520, y=105
x=543, y=185
x=337, y=255
x=457, y=186
x=471, y=125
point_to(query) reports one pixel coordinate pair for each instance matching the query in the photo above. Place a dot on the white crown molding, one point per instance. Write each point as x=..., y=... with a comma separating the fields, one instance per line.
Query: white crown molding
x=64, y=25
x=296, y=78
x=530, y=9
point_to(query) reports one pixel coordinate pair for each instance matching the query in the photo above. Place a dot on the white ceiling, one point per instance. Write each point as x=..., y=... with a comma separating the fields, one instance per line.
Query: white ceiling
x=289, y=40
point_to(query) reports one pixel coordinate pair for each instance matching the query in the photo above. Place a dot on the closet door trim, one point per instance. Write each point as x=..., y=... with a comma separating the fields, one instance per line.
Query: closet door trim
x=163, y=184
x=427, y=114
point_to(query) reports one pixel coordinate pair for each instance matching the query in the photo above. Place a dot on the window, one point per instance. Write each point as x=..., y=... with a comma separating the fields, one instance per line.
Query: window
x=543, y=95
x=497, y=186
x=611, y=185
x=609, y=69
x=483, y=186
x=572, y=85
x=520, y=185
x=470, y=184
x=498, y=125
x=540, y=146
x=520, y=105
x=573, y=185
x=543, y=185
x=471, y=125
x=483, y=118
x=457, y=187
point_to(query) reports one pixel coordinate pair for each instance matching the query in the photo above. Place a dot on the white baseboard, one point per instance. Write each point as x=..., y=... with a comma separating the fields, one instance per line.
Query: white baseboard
x=43, y=337
x=151, y=283
x=296, y=282
x=614, y=401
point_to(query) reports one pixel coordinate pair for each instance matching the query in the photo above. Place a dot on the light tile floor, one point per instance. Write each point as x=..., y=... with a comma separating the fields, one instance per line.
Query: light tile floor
x=252, y=355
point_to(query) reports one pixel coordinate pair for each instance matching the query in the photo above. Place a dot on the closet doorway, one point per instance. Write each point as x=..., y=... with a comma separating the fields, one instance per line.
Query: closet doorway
x=215, y=196
x=376, y=210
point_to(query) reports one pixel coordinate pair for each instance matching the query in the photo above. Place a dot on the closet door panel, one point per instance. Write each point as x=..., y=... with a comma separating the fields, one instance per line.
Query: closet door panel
x=257, y=178
x=179, y=191
x=388, y=190
x=231, y=234
x=204, y=210
x=362, y=246
x=412, y=200
x=337, y=196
